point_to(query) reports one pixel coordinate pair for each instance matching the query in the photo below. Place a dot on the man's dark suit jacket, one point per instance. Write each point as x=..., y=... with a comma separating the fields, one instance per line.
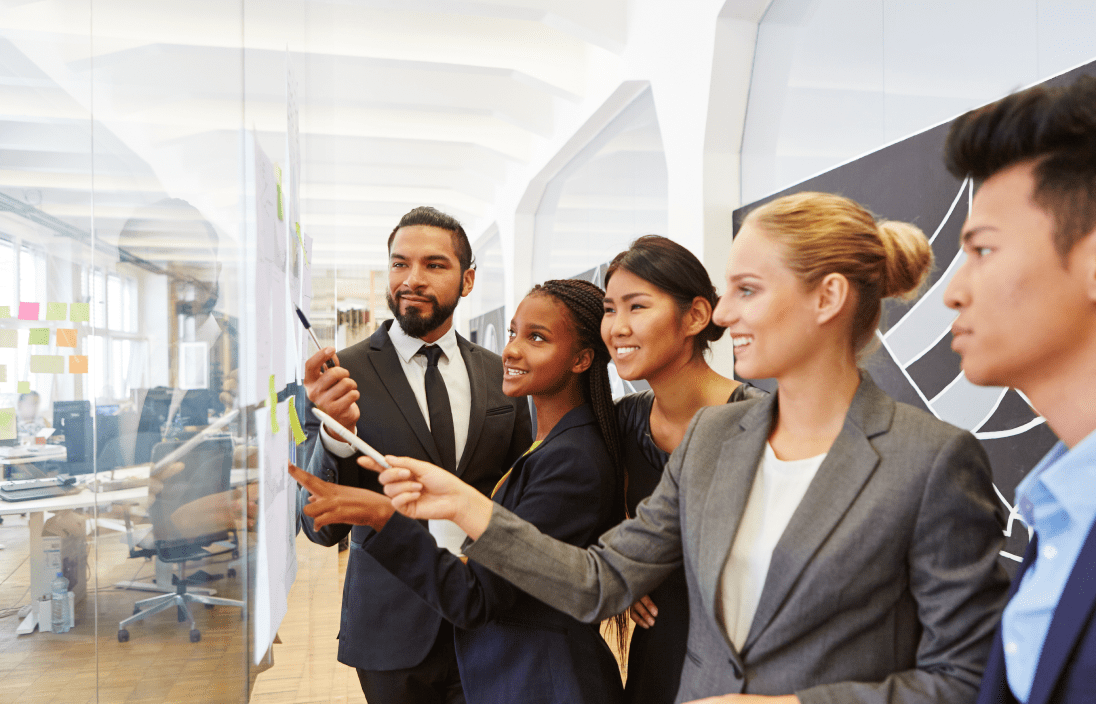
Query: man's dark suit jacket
x=1067, y=665
x=384, y=625
x=510, y=646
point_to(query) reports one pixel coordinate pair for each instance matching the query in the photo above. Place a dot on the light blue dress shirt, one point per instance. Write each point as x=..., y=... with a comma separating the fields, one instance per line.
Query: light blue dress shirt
x=1058, y=500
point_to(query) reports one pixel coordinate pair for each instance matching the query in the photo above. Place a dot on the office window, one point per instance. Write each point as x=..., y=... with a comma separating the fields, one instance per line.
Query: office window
x=115, y=315
x=98, y=299
x=32, y=275
x=7, y=273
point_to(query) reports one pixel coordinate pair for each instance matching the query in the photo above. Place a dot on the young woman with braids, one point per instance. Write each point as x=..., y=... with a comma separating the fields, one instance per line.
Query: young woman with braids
x=511, y=647
x=657, y=325
x=838, y=546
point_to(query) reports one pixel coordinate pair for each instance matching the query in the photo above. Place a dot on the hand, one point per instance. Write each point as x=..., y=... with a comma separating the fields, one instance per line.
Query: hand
x=228, y=390
x=333, y=503
x=422, y=491
x=643, y=612
x=252, y=497
x=332, y=390
x=747, y=699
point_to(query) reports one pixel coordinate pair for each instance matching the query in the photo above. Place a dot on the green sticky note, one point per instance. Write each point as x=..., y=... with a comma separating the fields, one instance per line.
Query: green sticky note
x=24, y=387
x=5, y=312
x=56, y=311
x=7, y=424
x=47, y=364
x=39, y=336
x=8, y=338
x=80, y=312
x=281, y=210
x=301, y=240
x=273, y=406
x=295, y=423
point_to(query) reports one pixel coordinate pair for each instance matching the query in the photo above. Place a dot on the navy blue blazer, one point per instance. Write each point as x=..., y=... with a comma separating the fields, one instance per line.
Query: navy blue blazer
x=384, y=626
x=1067, y=665
x=511, y=647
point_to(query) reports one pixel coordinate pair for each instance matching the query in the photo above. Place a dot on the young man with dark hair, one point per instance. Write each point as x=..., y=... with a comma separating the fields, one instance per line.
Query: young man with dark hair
x=414, y=388
x=1026, y=302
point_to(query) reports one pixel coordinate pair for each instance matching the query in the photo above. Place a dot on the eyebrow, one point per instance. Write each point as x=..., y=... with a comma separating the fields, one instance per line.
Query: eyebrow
x=739, y=277
x=429, y=257
x=626, y=297
x=967, y=234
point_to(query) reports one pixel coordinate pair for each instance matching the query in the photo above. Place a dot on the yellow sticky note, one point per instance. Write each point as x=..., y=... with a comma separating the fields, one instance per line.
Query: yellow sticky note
x=47, y=364
x=295, y=423
x=24, y=387
x=7, y=424
x=78, y=364
x=56, y=311
x=272, y=404
x=5, y=312
x=80, y=312
x=9, y=338
x=66, y=337
x=3, y=372
x=281, y=209
x=301, y=240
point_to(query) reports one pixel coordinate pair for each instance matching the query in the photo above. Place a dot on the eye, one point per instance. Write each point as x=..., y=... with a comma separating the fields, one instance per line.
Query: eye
x=510, y=334
x=608, y=310
x=637, y=306
x=398, y=265
x=981, y=252
x=537, y=337
x=745, y=291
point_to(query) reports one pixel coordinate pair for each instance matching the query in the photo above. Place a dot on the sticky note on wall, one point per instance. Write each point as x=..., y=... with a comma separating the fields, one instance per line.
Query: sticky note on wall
x=7, y=424
x=39, y=336
x=5, y=312
x=295, y=422
x=78, y=364
x=28, y=311
x=3, y=373
x=56, y=311
x=66, y=337
x=80, y=312
x=47, y=364
x=24, y=387
x=9, y=338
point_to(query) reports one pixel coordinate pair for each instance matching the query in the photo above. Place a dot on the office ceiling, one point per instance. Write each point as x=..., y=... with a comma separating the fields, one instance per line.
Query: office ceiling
x=401, y=103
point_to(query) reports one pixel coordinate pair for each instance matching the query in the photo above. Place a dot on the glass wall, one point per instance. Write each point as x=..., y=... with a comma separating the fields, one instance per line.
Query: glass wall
x=835, y=79
x=133, y=228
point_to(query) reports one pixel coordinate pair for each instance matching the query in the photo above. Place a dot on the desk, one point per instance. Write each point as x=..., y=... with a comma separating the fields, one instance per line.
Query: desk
x=29, y=454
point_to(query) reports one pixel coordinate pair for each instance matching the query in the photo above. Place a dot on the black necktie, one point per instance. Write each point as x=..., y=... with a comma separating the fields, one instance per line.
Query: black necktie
x=441, y=413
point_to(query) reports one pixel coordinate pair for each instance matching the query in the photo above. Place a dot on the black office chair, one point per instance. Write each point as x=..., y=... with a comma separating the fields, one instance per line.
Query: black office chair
x=206, y=472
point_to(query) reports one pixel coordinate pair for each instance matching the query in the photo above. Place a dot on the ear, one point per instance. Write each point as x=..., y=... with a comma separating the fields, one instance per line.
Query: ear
x=696, y=317
x=1083, y=259
x=831, y=294
x=467, y=282
x=583, y=360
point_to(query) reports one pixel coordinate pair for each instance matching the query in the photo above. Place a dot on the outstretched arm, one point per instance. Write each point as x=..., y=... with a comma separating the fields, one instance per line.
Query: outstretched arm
x=334, y=504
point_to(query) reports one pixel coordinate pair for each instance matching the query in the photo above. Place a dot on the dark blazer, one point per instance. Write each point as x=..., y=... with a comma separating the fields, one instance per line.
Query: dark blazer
x=511, y=647
x=385, y=626
x=885, y=585
x=1067, y=665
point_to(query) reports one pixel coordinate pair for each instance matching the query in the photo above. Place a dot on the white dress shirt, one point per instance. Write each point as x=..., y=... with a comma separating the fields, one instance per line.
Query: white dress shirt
x=455, y=375
x=778, y=488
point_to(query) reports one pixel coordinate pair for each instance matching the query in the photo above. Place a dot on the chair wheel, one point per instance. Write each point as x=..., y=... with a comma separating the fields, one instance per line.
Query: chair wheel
x=180, y=614
x=235, y=554
x=231, y=572
x=209, y=606
x=195, y=636
x=123, y=635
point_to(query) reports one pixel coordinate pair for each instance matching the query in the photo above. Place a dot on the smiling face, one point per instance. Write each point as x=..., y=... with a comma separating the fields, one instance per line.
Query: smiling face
x=769, y=315
x=542, y=357
x=1023, y=317
x=424, y=280
x=642, y=327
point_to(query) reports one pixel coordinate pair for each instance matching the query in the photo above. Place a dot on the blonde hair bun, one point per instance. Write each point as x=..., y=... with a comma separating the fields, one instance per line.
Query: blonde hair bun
x=909, y=259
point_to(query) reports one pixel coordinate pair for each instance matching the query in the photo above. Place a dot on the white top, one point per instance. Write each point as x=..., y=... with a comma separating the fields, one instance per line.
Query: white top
x=455, y=375
x=778, y=487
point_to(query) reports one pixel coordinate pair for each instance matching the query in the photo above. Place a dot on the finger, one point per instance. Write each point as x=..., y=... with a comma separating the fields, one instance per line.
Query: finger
x=403, y=502
x=389, y=476
x=394, y=490
x=369, y=463
x=650, y=606
x=417, y=467
x=638, y=618
x=640, y=609
x=313, y=484
x=313, y=367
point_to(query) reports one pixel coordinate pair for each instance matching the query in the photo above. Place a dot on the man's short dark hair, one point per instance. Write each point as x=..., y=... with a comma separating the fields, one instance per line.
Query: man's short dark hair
x=425, y=215
x=1055, y=129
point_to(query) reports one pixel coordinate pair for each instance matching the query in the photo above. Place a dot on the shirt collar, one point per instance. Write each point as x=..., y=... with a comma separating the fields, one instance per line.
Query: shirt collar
x=407, y=346
x=1055, y=480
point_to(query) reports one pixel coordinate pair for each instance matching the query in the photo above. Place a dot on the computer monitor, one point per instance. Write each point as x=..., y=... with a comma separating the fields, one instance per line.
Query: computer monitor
x=73, y=420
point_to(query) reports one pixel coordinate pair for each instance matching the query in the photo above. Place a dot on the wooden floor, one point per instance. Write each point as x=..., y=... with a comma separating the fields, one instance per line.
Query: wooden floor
x=159, y=663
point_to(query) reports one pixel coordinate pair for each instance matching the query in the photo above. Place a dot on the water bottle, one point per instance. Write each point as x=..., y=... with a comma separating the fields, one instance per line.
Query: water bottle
x=60, y=604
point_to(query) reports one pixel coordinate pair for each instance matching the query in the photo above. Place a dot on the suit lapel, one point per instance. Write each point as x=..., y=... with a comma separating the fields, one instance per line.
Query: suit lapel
x=477, y=378
x=386, y=363
x=847, y=467
x=1071, y=615
x=727, y=495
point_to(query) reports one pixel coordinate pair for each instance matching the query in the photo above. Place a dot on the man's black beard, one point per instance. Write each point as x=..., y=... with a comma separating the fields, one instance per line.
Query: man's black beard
x=415, y=323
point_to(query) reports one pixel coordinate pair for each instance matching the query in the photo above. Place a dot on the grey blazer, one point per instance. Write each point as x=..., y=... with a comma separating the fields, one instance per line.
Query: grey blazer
x=885, y=586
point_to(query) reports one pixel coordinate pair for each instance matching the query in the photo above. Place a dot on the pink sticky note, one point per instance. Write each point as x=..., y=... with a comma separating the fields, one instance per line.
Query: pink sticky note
x=28, y=311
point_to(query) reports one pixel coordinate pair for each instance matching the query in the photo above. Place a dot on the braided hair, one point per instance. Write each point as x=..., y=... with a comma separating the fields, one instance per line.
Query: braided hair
x=586, y=304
